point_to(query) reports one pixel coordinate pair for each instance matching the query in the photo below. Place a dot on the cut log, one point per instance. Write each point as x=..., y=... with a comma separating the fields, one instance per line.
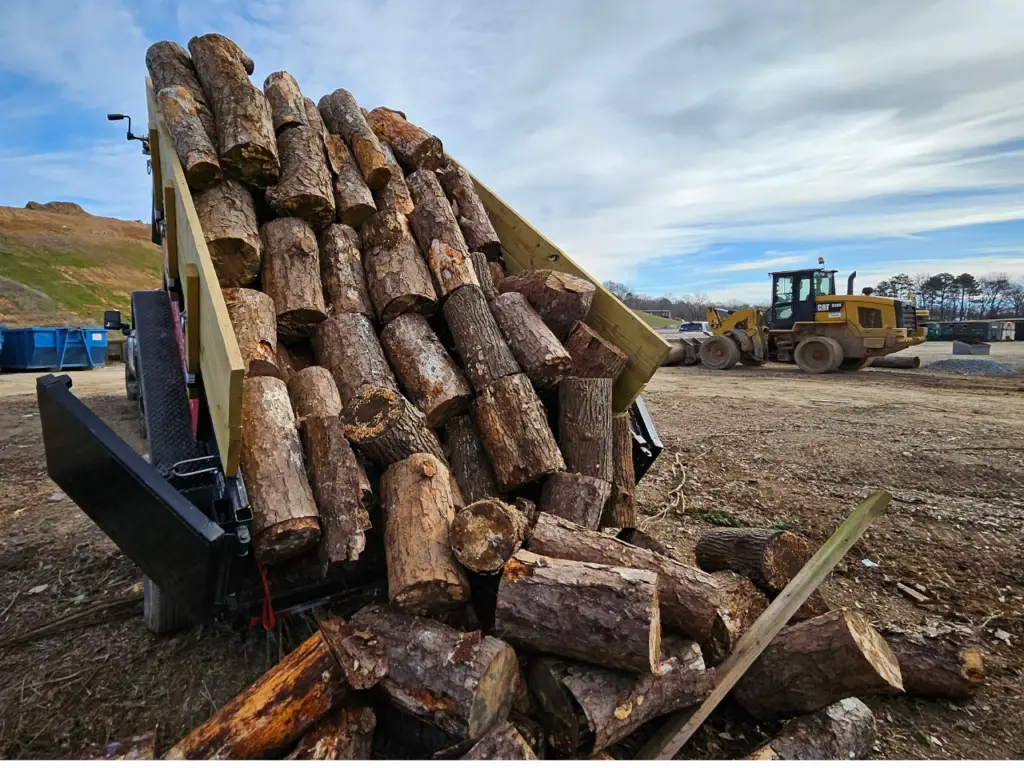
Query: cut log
x=345, y=734
x=287, y=105
x=170, y=65
x=398, y=278
x=592, y=356
x=842, y=731
x=341, y=272
x=284, y=514
x=385, y=228
x=639, y=538
x=245, y=128
x=515, y=433
x=438, y=234
x=393, y=196
x=468, y=460
x=816, y=663
x=304, y=189
x=314, y=393
x=228, y=219
x=741, y=603
x=358, y=653
x=478, y=340
x=352, y=198
x=936, y=666
x=620, y=512
x=614, y=618
x=585, y=426
x=134, y=748
x=428, y=375
x=417, y=500
x=580, y=499
x=387, y=427
x=537, y=350
x=464, y=683
x=486, y=533
x=472, y=217
x=192, y=144
x=291, y=275
x=269, y=715
x=560, y=298
x=254, y=321
x=342, y=116
x=283, y=359
x=497, y=273
x=414, y=147
x=483, y=273
x=503, y=742
x=347, y=346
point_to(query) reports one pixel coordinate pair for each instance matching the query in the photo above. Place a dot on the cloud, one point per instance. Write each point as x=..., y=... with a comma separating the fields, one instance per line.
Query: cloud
x=772, y=261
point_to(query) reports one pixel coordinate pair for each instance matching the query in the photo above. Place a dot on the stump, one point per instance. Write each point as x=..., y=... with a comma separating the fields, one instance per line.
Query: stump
x=345, y=734
x=192, y=144
x=352, y=198
x=464, y=683
x=347, y=346
x=592, y=356
x=539, y=353
x=254, y=321
x=620, y=512
x=585, y=426
x=429, y=376
x=341, y=272
x=613, y=622
x=468, y=460
x=486, y=533
x=228, y=219
x=342, y=116
x=304, y=189
x=287, y=105
x=560, y=298
x=580, y=499
x=472, y=217
x=485, y=355
x=936, y=666
x=291, y=275
x=515, y=433
x=816, y=663
x=387, y=427
x=170, y=65
x=313, y=393
x=502, y=742
x=438, y=234
x=842, y=731
x=393, y=196
x=483, y=273
x=414, y=147
x=397, y=277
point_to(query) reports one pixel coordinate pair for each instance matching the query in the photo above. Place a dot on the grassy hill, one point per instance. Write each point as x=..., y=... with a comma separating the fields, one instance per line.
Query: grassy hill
x=59, y=264
x=656, y=321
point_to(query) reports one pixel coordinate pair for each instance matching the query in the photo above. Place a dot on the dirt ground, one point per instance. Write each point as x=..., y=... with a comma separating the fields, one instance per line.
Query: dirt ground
x=755, y=447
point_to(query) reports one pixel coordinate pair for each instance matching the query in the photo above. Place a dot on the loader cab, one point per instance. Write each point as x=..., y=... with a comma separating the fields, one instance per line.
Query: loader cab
x=795, y=294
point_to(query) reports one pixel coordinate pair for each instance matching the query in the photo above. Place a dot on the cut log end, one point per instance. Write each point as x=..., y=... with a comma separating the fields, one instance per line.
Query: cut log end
x=491, y=698
x=485, y=534
x=287, y=539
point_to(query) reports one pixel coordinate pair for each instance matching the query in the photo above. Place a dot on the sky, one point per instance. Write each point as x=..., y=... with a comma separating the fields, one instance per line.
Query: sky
x=676, y=146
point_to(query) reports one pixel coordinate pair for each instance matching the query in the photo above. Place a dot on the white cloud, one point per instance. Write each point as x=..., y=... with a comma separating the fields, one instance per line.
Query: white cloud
x=771, y=262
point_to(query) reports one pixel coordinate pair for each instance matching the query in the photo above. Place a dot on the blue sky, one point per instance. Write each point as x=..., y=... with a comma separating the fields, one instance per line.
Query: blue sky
x=678, y=146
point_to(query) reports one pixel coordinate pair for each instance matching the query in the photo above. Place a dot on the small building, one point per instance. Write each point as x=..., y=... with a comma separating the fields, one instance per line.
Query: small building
x=1004, y=329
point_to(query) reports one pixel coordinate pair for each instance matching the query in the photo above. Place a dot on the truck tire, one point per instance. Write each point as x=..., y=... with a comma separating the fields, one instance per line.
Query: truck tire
x=159, y=613
x=818, y=354
x=748, y=359
x=854, y=363
x=131, y=384
x=719, y=353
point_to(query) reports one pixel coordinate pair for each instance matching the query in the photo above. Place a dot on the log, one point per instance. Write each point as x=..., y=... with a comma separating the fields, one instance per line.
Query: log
x=359, y=653
x=842, y=731
x=560, y=298
x=170, y=65
x=393, y=196
x=269, y=715
x=284, y=513
x=228, y=219
x=192, y=144
x=245, y=129
x=345, y=734
x=341, y=272
x=620, y=512
x=472, y=217
x=537, y=350
x=478, y=340
x=304, y=189
x=254, y=321
x=580, y=499
x=141, y=747
x=313, y=393
x=283, y=359
x=287, y=105
x=417, y=501
x=482, y=268
x=438, y=234
x=464, y=683
x=291, y=275
x=468, y=460
x=347, y=346
x=816, y=663
x=486, y=533
x=397, y=276
x=585, y=426
x=342, y=116
x=592, y=356
x=639, y=538
x=387, y=427
x=352, y=198
x=497, y=273
x=414, y=147
x=502, y=742
x=385, y=228
x=896, y=361
x=428, y=375
x=515, y=433
x=936, y=666
x=613, y=621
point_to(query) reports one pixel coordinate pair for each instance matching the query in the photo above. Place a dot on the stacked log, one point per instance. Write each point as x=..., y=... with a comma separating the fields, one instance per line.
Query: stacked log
x=192, y=144
x=170, y=66
x=472, y=217
x=254, y=321
x=341, y=272
x=560, y=298
x=228, y=218
x=438, y=234
x=342, y=116
x=396, y=272
x=291, y=275
x=414, y=147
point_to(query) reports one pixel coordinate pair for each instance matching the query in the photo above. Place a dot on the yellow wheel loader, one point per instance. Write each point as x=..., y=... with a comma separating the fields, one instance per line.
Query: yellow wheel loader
x=810, y=325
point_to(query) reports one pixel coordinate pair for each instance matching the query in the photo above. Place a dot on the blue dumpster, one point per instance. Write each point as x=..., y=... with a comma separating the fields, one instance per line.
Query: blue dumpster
x=40, y=348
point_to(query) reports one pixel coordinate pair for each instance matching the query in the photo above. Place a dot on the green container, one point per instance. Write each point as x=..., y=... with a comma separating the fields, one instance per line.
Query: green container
x=934, y=332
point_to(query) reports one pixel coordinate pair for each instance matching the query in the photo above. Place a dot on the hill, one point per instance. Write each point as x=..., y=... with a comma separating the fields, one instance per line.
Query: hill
x=656, y=321
x=59, y=264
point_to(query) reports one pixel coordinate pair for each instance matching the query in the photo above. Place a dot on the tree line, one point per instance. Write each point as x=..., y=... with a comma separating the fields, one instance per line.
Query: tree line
x=951, y=297
x=690, y=306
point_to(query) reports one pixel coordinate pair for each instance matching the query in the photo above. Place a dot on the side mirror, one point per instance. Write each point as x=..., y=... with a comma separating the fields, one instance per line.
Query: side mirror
x=112, y=321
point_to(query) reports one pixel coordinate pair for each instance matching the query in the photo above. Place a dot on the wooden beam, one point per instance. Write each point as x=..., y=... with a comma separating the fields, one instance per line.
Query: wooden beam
x=154, y=160
x=671, y=738
x=170, y=231
x=190, y=289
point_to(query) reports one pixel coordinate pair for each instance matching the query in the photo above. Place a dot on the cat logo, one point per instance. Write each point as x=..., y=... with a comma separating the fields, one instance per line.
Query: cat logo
x=830, y=307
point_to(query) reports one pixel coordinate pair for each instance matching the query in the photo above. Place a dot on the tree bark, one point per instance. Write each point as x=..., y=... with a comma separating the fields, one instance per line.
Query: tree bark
x=580, y=499
x=170, y=65
x=560, y=298
x=304, y=189
x=537, y=350
x=592, y=356
x=472, y=217
x=482, y=267
x=254, y=321
x=842, y=731
x=387, y=427
x=585, y=426
x=195, y=151
x=486, y=533
x=314, y=393
x=291, y=275
x=620, y=512
x=347, y=346
x=396, y=275
x=269, y=715
x=468, y=460
x=478, y=340
x=438, y=234
x=638, y=538
x=515, y=433
x=228, y=219
x=359, y=653
x=342, y=116
x=613, y=622
x=287, y=105
x=352, y=198
x=816, y=663
x=414, y=147
x=767, y=557
x=497, y=274
x=428, y=374
x=502, y=742
x=345, y=734
x=461, y=681
x=283, y=358
x=245, y=129
x=394, y=196
x=341, y=272
x=936, y=666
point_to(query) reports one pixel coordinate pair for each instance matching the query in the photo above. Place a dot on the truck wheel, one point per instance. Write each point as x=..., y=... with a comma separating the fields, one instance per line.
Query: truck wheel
x=818, y=354
x=854, y=363
x=131, y=384
x=719, y=353
x=750, y=361
x=159, y=614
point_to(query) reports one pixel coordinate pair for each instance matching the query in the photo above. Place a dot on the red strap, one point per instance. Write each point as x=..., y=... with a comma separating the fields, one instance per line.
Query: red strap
x=268, y=617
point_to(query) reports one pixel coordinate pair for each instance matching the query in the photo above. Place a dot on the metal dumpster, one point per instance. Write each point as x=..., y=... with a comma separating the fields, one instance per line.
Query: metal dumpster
x=42, y=348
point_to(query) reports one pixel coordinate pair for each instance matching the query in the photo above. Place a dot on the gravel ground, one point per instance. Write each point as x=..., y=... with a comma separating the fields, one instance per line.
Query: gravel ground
x=969, y=366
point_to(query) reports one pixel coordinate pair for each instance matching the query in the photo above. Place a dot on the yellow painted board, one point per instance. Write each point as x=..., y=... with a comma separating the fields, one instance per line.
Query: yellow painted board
x=190, y=289
x=526, y=248
x=170, y=230
x=220, y=362
x=154, y=159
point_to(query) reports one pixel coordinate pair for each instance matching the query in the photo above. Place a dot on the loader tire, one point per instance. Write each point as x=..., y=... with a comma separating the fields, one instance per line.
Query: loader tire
x=854, y=363
x=750, y=361
x=719, y=353
x=818, y=354
x=159, y=613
